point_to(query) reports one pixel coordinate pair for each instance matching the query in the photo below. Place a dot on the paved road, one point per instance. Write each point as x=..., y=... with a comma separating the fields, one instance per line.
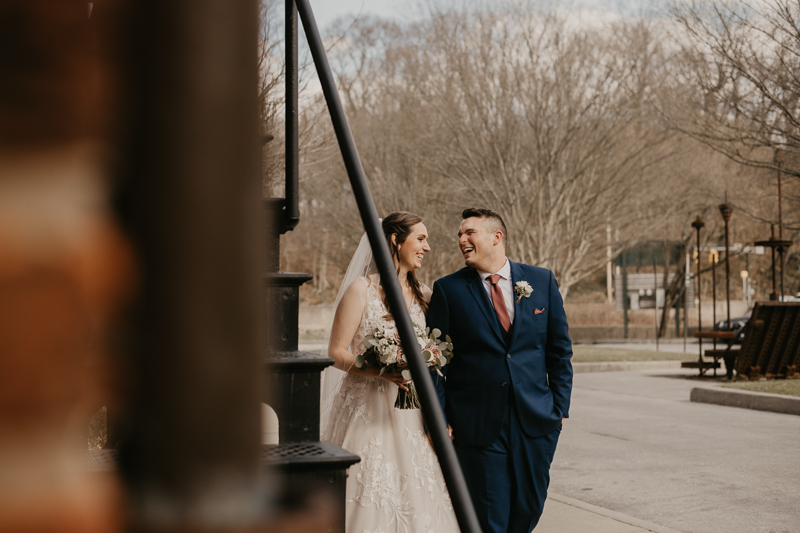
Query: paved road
x=636, y=445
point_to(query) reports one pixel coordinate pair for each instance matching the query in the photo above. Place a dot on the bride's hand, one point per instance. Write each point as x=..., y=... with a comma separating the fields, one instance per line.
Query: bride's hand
x=397, y=379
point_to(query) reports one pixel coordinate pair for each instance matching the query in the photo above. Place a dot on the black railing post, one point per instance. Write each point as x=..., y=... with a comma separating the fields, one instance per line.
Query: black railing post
x=465, y=513
x=291, y=214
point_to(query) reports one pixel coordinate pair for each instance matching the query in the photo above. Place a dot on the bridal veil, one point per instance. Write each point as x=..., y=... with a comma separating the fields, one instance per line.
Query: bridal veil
x=361, y=265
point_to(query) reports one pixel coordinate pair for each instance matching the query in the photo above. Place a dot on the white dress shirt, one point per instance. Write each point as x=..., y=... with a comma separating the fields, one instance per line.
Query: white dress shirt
x=505, y=285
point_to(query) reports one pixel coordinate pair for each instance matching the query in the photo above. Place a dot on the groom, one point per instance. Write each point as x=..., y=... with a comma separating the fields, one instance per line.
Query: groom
x=507, y=388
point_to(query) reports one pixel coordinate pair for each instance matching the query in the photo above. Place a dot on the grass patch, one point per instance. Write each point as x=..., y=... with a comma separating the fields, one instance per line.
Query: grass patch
x=788, y=387
x=587, y=353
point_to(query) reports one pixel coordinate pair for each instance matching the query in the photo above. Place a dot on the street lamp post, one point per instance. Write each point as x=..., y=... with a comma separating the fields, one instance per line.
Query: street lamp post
x=714, y=257
x=781, y=245
x=726, y=212
x=698, y=224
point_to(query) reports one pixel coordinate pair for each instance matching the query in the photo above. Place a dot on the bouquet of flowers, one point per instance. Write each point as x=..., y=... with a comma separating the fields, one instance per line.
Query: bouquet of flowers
x=384, y=352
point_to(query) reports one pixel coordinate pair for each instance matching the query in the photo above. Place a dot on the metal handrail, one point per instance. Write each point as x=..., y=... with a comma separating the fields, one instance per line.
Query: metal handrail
x=431, y=411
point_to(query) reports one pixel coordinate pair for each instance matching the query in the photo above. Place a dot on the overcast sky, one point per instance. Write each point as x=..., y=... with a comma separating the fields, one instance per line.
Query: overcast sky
x=326, y=11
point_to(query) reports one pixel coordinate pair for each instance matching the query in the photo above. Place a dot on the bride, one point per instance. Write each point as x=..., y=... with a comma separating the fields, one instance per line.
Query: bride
x=398, y=485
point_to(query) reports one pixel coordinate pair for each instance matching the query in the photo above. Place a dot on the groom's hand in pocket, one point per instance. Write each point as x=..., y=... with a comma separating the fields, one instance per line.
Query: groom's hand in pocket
x=449, y=433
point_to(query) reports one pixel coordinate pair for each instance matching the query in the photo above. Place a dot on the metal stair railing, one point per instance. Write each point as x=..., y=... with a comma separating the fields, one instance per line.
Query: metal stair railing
x=432, y=413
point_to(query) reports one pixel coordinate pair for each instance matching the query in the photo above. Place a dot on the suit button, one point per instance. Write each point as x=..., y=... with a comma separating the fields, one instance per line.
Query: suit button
x=508, y=355
x=504, y=384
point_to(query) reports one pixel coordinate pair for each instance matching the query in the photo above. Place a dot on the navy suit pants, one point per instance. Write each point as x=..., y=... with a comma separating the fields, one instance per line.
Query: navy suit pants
x=508, y=479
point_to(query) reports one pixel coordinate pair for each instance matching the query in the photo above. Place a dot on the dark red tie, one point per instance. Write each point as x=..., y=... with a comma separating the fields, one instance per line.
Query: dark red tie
x=499, y=303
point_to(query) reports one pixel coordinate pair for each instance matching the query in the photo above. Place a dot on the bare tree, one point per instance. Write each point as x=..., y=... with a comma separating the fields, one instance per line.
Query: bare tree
x=740, y=87
x=551, y=125
x=557, y=126
x=316, y=136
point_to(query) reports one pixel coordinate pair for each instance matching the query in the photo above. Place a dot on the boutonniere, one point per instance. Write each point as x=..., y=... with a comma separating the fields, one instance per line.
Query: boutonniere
x=523, y=289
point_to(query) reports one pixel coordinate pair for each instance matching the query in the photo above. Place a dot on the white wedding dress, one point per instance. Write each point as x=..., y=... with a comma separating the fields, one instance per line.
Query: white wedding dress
x=398, y=485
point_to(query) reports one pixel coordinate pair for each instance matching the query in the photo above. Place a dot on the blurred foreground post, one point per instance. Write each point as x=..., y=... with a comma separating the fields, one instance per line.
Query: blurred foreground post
x=191, y=202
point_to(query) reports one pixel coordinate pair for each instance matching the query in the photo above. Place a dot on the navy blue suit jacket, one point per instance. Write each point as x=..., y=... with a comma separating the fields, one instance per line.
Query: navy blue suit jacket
x=532, y=360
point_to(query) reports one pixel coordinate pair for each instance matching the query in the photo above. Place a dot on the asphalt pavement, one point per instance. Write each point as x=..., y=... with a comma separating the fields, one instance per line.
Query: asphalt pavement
x=635, y=445
x=637, y=456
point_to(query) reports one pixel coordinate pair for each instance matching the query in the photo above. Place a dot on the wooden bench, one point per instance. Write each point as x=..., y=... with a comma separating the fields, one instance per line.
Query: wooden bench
x=703, y=366
x=719, y=335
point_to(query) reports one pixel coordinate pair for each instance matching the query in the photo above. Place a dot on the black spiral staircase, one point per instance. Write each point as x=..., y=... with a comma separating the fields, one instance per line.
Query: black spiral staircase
x=301, y=462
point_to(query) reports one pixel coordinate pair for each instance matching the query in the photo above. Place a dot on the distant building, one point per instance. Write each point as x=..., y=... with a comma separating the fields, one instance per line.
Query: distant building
x=643, y=289
x=643, y=293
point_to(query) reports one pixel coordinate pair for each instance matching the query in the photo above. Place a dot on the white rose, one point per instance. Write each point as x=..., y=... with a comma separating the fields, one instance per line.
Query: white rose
x=391, y=355
x=422, y=343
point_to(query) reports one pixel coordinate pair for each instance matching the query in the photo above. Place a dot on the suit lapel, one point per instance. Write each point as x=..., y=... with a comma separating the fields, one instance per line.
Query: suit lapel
x=520, y=307
x=479, y=293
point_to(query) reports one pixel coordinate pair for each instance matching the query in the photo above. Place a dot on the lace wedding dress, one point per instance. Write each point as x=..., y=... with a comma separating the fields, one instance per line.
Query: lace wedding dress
x=398, y=485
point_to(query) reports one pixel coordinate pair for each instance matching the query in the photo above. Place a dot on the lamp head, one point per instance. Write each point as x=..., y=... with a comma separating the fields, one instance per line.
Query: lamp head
x=726, y=211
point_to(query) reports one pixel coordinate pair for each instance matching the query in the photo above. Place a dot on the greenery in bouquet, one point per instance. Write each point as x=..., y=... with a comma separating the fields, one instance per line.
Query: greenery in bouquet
x=383, y=350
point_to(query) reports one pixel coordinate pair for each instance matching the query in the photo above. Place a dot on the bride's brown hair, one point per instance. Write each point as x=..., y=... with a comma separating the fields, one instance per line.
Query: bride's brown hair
x=399, y=224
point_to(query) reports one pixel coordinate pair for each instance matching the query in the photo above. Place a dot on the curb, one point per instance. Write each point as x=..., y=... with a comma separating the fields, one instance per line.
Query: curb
x=649, y=340
x=624, y=366
x=759, y=401
x=619, y=517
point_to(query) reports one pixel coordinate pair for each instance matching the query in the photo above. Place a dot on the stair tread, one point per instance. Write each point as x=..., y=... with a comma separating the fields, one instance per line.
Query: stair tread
x=308, y=454
x=279, y=455
x=287, y=279
x=297, y=361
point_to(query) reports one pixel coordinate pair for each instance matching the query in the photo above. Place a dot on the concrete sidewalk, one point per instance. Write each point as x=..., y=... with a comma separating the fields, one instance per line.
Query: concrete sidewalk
x=567, y=515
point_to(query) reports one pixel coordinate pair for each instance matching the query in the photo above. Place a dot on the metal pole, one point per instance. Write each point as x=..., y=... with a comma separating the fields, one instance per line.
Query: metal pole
x=780, y=158
x=609, y=260
x=686, y=280
x=774, y=295
x=781, y=258
x=686, y=299
x=292, y=188
x=625, y=291
x=655, y=294
x=726, y=212
x=431, y=409
x=714, y=292
x=698, y=224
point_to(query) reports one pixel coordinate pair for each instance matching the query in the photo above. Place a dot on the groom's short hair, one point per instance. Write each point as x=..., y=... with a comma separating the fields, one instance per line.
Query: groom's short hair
x=492, y=221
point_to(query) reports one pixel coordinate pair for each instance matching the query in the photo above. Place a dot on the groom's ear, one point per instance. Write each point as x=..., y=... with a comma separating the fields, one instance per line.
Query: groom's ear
x=497, y=238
